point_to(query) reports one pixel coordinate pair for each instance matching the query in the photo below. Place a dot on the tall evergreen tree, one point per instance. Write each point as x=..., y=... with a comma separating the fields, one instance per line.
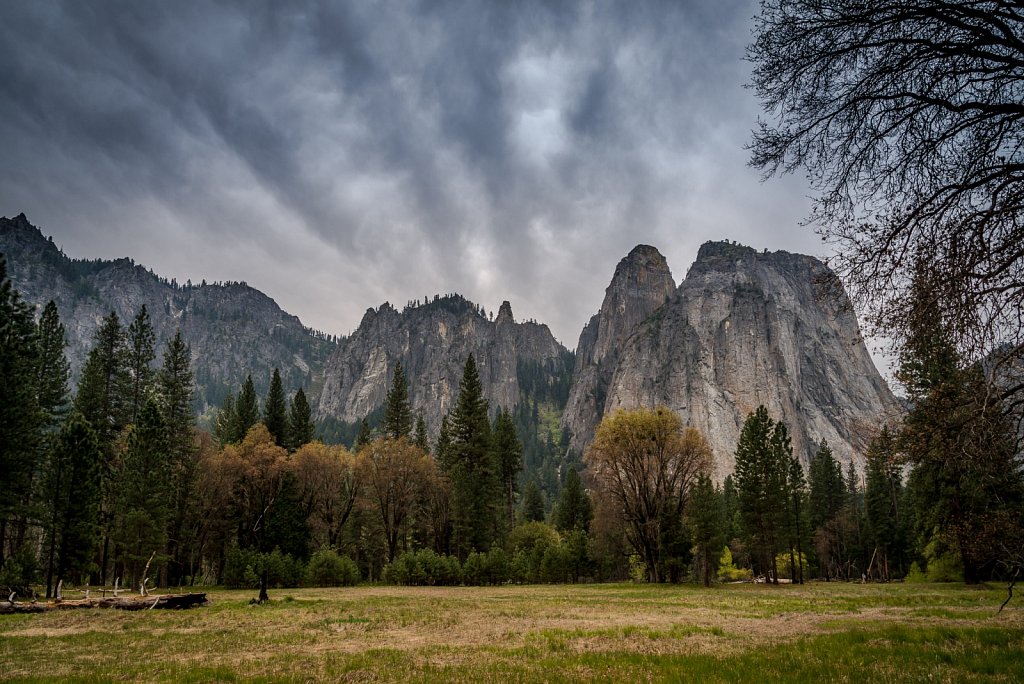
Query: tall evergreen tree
x=364, y=436
x=73, y=485
x=300, y=421
x=472, y=470
x=398, y=420
x=826, y=487
x=796, y=515
x=175, y=384
x=143, y=493
x=705, y=516
x=508, y=452
x=247, y=411
x=761, y=476
x=103, y=397
x=21, y=419
x=443, y=446
x=139, y=355
x=883, y=495
x=102, y=389
x=224, y=428
x=966, y=478
x=533, y=503
x=275, y=411
x=52, y=369
x=574, y=509
x=420, y=438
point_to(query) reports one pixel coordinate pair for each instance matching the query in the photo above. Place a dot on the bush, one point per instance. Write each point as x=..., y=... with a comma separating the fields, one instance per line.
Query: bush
x=423, y=568
x=328, y=569
x=727, y=572
x=243, y=567
x=474, y=570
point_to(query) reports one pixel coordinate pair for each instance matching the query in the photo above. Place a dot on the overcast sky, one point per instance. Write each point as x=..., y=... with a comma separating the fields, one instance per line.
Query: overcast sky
x=337, y=155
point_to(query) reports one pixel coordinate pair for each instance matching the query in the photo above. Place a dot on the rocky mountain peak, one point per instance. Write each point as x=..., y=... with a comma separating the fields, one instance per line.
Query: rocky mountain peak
x=505, y=313
x=642, y=283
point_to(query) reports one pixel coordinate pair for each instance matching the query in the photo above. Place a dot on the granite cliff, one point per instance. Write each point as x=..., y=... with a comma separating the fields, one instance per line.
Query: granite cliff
x=516, y=360
x=642, y=284
x=743, y=329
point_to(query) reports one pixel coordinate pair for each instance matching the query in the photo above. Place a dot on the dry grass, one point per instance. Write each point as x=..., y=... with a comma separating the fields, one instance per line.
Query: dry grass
x=533, y=632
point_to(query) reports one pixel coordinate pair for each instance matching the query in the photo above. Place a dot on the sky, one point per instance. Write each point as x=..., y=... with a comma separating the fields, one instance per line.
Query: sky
x=337, y=155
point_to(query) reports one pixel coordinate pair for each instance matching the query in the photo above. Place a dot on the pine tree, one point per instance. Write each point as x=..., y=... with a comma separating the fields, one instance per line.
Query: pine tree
x=420, y=438
x=101, y=397
x=397, y=412
x=966, y=482
x=275, y=415
x=287, y=524
x=472, y=470
x=760, y=479
x=796, y=516
x=247, y=411
x=883, y=495
x=573, y=510
x=73, y=487
x=139, y=355
x=52, y=369
x=175, y=390
x=21, y=420
x=705, y=518
x=224, y=428
x=533, y=503
x=300, y=421
x=443, y=446
x=364, y=436
x=143, y=497
x=826, y=484
x=508, y=452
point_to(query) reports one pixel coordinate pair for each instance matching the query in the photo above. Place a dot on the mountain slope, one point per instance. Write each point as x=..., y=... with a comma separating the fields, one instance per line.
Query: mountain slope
x=232, y=328
x=516, y=361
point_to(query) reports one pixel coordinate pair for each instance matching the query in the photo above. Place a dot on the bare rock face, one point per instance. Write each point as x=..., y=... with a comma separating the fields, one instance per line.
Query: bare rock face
x=233, y=329
x=642, y=284
x=747, y=328
x=432, y=341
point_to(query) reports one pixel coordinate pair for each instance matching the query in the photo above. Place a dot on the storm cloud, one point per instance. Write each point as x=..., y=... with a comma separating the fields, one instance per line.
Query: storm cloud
x=338, y=155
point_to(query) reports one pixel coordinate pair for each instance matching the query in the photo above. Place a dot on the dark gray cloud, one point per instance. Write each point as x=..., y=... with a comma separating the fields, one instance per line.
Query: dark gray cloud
x=337, y=155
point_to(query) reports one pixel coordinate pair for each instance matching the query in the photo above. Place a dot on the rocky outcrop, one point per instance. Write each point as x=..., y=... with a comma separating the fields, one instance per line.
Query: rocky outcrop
x=747, y=328
x=232, y=328
x=642, y=284
x=433, y=340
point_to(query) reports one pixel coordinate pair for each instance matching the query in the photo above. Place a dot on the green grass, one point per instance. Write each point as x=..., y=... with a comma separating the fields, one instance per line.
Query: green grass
x=819, y=632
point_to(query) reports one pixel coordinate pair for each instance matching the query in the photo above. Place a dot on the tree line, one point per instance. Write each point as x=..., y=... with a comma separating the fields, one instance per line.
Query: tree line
x=118, y=483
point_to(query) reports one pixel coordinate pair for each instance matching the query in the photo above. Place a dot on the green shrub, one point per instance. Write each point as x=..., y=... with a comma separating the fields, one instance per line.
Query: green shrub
x=423, y=568
x=728, y=572
x=328, y=569
x=243, y=567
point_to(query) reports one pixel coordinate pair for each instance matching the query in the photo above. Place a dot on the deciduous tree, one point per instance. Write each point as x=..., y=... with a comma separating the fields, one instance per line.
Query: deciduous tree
x=646, y=462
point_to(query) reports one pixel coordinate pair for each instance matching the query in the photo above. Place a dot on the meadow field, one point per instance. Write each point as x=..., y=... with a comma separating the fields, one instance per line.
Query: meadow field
x=621, y=632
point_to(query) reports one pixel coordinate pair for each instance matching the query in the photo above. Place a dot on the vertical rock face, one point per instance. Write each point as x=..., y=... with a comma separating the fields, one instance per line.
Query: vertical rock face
x=747, y=328
x=642, y=283
x=432, y=341
x=233, y=329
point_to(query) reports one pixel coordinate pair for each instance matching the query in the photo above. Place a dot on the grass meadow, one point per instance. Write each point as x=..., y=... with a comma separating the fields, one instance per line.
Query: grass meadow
x=618, y=632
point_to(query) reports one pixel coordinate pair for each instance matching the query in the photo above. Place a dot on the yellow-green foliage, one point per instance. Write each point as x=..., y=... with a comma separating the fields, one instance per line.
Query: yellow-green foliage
x=727, y=572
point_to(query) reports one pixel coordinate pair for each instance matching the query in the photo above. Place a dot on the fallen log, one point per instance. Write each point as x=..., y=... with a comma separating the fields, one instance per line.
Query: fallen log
x=164, y=601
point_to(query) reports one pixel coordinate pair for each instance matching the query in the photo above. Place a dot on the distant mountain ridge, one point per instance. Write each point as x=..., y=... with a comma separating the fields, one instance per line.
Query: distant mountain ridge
x=517, y=361
x=233, y=329
x=743, y=328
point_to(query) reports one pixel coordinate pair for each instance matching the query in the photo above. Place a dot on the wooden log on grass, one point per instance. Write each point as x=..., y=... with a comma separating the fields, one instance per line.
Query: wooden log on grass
x=161, y=602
